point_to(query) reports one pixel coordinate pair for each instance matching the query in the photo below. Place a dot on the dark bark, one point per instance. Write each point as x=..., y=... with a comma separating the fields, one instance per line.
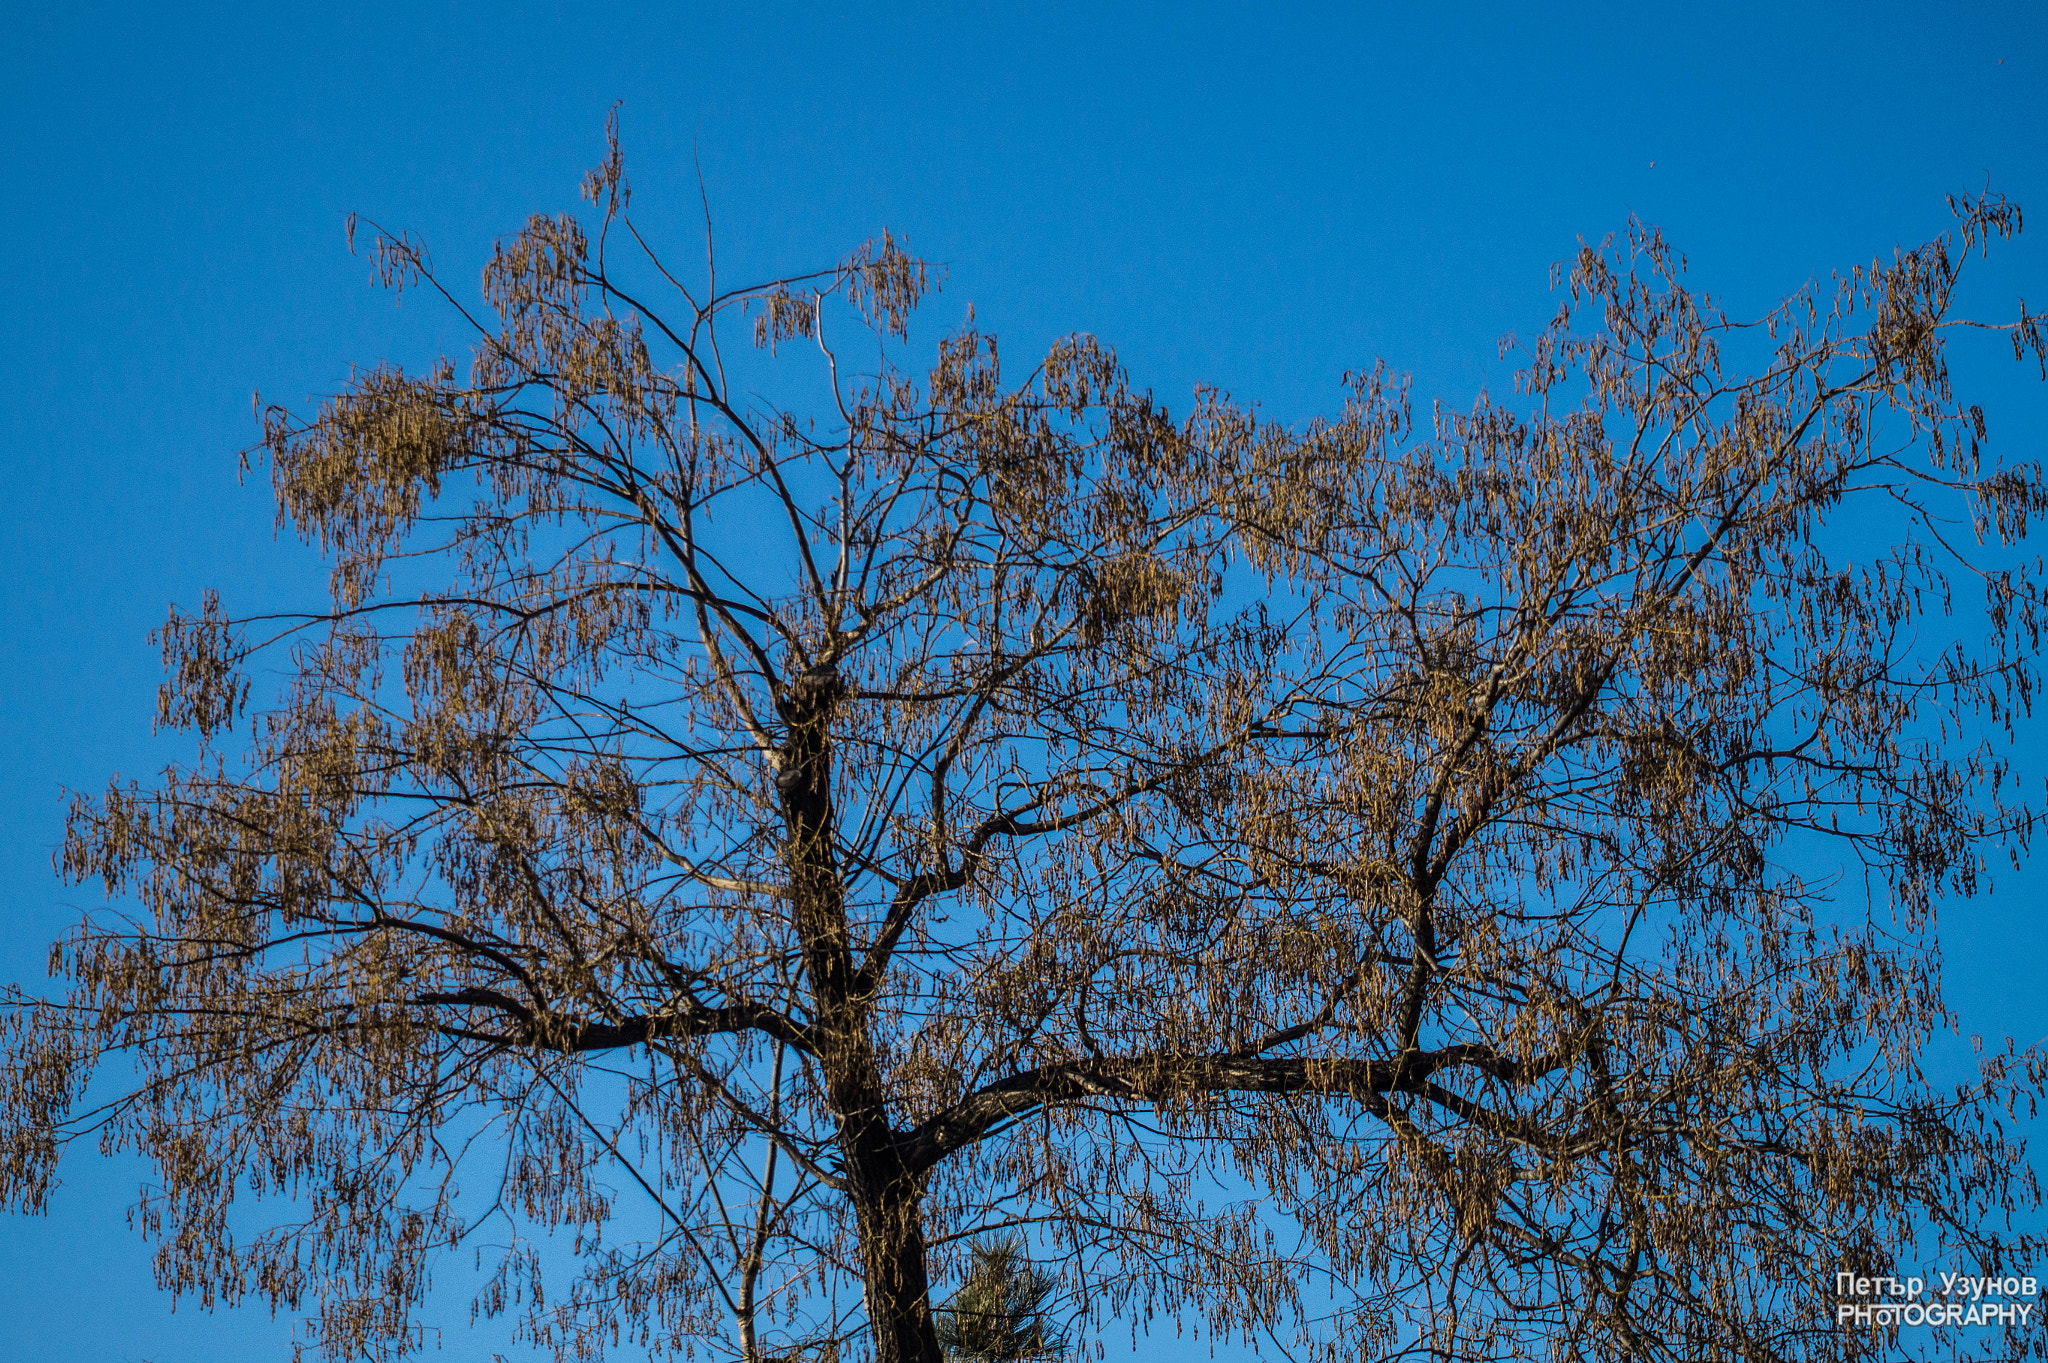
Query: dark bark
x=884, y=1190
x=1152, y=1077
x=885, y=1196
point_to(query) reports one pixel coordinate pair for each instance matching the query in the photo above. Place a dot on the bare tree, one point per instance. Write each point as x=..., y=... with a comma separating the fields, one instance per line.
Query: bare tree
x=1356, y=883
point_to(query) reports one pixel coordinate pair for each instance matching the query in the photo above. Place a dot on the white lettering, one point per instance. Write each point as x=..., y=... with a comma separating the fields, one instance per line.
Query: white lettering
x=1955, y=1285
x=1962, y=1299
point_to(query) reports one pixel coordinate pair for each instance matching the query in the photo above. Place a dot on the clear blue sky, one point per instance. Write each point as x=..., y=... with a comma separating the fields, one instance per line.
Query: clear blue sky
x=1256, y=197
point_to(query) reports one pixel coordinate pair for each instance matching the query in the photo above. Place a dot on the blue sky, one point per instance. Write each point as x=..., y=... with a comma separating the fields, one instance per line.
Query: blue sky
x=1251, y=196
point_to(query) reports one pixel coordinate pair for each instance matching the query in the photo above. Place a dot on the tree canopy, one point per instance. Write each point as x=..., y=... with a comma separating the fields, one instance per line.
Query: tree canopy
x=1364, y=884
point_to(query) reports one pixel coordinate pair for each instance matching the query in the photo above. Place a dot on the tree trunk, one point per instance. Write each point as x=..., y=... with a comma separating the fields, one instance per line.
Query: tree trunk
x=884, y=1193
x=892, y=1251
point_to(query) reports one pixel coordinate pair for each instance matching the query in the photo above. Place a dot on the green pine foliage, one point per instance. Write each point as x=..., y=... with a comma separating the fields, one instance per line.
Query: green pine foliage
x=999, y=1312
